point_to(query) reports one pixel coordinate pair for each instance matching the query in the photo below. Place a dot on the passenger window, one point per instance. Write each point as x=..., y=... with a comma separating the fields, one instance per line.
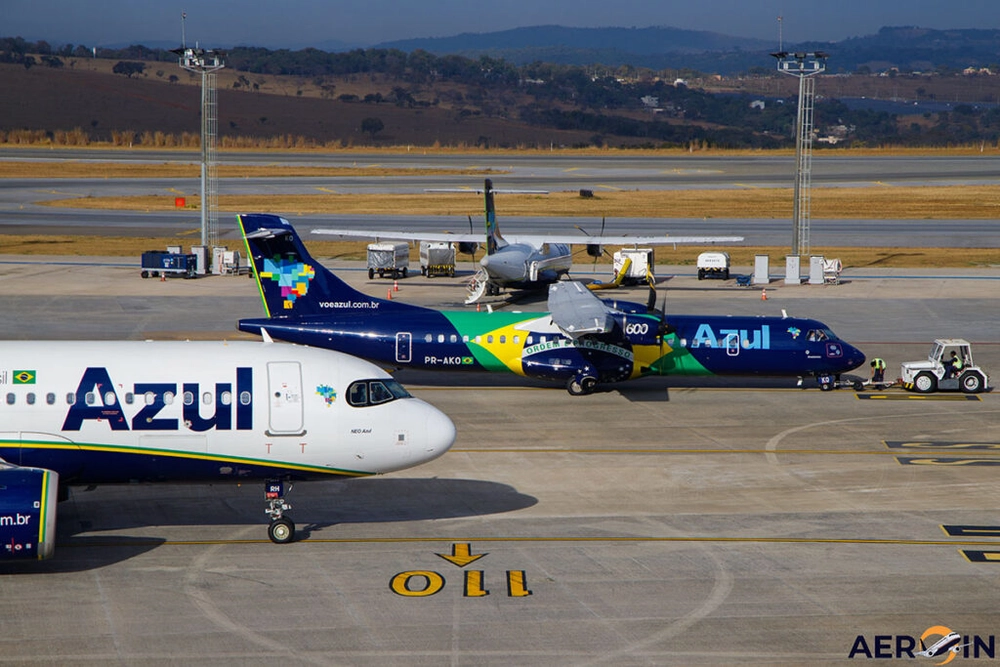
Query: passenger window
x=90, y=399
x=11, y=398
x=30, y=398
x=453, y=338
x=149, y=398
x=429, y=338
x=110, y=398
x=503, y=339
x=517, y=339
x=465, y=339
x=168, y=398
x=188, y=398
x=129, y=398
x=489, y=339
x=527, y=341
x=206, y=398
x=244, y=398
x=50, y=398
x=440, y=338
x=70, y=398
x=226, y=397
x=479, y=340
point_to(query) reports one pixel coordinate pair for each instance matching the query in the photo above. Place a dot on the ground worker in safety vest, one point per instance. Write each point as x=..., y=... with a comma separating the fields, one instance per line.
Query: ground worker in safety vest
x=878, y=370
x=954, y=364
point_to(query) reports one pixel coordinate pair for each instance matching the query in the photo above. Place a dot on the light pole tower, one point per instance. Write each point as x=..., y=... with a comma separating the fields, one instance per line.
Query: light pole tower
x=805, y=66
x=207, y=63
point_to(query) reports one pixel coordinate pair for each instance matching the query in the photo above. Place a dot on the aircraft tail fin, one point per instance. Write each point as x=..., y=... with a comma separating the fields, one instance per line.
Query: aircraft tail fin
x=494, y=240
x=291, y=282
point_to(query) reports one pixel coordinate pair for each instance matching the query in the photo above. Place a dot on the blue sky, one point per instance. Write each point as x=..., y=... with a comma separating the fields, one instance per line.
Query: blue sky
x=300, y=23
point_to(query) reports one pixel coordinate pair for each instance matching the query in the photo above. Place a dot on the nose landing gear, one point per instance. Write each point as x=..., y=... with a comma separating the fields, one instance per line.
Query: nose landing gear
x=282, y=528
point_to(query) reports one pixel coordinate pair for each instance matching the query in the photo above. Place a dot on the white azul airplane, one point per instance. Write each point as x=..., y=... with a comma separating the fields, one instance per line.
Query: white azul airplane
x=84, y=413
x=523, y=261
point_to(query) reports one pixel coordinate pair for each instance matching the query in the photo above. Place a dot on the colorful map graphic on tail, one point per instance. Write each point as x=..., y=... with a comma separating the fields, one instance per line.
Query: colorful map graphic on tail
x=292, y=277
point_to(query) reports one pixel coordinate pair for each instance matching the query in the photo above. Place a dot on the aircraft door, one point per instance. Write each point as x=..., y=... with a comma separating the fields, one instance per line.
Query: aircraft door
x=733, y=344
x=284, y=384
x=404, y=347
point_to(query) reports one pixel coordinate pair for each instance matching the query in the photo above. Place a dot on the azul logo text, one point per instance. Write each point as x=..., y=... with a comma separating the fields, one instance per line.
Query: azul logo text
x=98, y=400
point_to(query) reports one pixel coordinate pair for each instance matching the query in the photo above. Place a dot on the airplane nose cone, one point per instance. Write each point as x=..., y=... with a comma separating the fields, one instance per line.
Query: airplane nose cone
x=854, y=357
x=440, y=432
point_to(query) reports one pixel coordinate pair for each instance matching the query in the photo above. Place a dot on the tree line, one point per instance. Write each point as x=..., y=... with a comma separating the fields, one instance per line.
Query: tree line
x=604, y=102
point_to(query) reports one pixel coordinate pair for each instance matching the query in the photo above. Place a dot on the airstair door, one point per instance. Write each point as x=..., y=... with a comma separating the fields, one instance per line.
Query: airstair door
x=284, y=383
x=404, y=347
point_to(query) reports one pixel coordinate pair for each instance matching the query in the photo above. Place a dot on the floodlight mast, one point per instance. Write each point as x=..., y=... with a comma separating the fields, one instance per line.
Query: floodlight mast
x=805, y=66
x=207, y=63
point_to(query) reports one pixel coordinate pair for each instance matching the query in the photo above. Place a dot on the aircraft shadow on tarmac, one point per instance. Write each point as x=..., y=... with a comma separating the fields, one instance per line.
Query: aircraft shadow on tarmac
x=319, y=506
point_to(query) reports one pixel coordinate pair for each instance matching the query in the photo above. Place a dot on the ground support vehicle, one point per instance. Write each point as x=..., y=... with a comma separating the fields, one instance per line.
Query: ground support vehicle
x=939, y=372
x=437, y=259
x=157, y=263
x=639, y=270
x=392, y=259
x=713, y=265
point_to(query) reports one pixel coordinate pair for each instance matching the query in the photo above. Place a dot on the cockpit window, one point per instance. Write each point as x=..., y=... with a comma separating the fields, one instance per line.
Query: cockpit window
x=374, y=392
x=817, y=335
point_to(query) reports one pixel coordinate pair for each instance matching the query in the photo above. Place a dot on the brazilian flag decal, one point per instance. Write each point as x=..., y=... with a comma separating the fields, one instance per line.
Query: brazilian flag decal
x=24, y=377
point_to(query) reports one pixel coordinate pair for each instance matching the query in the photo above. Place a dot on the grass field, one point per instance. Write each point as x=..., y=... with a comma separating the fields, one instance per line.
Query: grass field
x=917, y=203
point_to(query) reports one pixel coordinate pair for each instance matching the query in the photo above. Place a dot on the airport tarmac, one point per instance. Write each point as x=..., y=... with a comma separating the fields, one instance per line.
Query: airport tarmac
x=665, y=521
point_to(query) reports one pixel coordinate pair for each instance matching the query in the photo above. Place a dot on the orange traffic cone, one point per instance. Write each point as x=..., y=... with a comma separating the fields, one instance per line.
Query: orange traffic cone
x=388, y=294
x=395, y=285
x=163, y=277
x=763, y=294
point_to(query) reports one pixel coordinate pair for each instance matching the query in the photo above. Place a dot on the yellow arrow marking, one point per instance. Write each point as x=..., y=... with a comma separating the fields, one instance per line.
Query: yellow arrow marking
x=461, y=555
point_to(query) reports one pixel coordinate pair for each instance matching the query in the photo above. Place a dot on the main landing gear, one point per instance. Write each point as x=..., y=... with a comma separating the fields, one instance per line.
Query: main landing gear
x=581, y=385
x=282, y=528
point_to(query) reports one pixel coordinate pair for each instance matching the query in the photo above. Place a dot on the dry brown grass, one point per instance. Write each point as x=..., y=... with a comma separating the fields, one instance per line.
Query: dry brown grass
x=355, y=250
x=75, y=169
x=918, y=203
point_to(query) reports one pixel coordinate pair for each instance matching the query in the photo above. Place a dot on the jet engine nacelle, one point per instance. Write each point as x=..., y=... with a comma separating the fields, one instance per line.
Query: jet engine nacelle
x=468, y=247
x=595, y=249
x=28, y=499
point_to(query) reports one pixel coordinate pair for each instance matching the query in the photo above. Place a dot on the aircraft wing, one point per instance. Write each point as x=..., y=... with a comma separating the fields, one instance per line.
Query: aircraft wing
x=403, y=235
x=577, y=311
x=576, y=239
x=533, y=239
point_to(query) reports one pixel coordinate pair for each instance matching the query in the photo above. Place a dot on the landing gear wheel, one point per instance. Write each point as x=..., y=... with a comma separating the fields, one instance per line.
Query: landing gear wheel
x=858, y=385
x=925, y=383
x=281, y=531
x=581, y=386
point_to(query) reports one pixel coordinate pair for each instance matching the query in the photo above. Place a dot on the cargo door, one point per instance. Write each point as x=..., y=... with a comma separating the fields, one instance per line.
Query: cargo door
x=284, y=383
x=733, y=344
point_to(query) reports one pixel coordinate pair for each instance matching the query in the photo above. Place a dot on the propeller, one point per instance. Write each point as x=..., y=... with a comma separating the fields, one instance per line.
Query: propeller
x=664, y=328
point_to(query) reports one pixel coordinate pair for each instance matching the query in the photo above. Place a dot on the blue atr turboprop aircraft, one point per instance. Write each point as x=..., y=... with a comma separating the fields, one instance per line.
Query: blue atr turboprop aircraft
x=583, y=342
x=523, y=261
x=107, y=412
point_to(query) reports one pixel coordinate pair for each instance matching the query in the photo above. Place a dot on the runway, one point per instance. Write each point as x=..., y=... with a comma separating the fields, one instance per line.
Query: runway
x=664, y=521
